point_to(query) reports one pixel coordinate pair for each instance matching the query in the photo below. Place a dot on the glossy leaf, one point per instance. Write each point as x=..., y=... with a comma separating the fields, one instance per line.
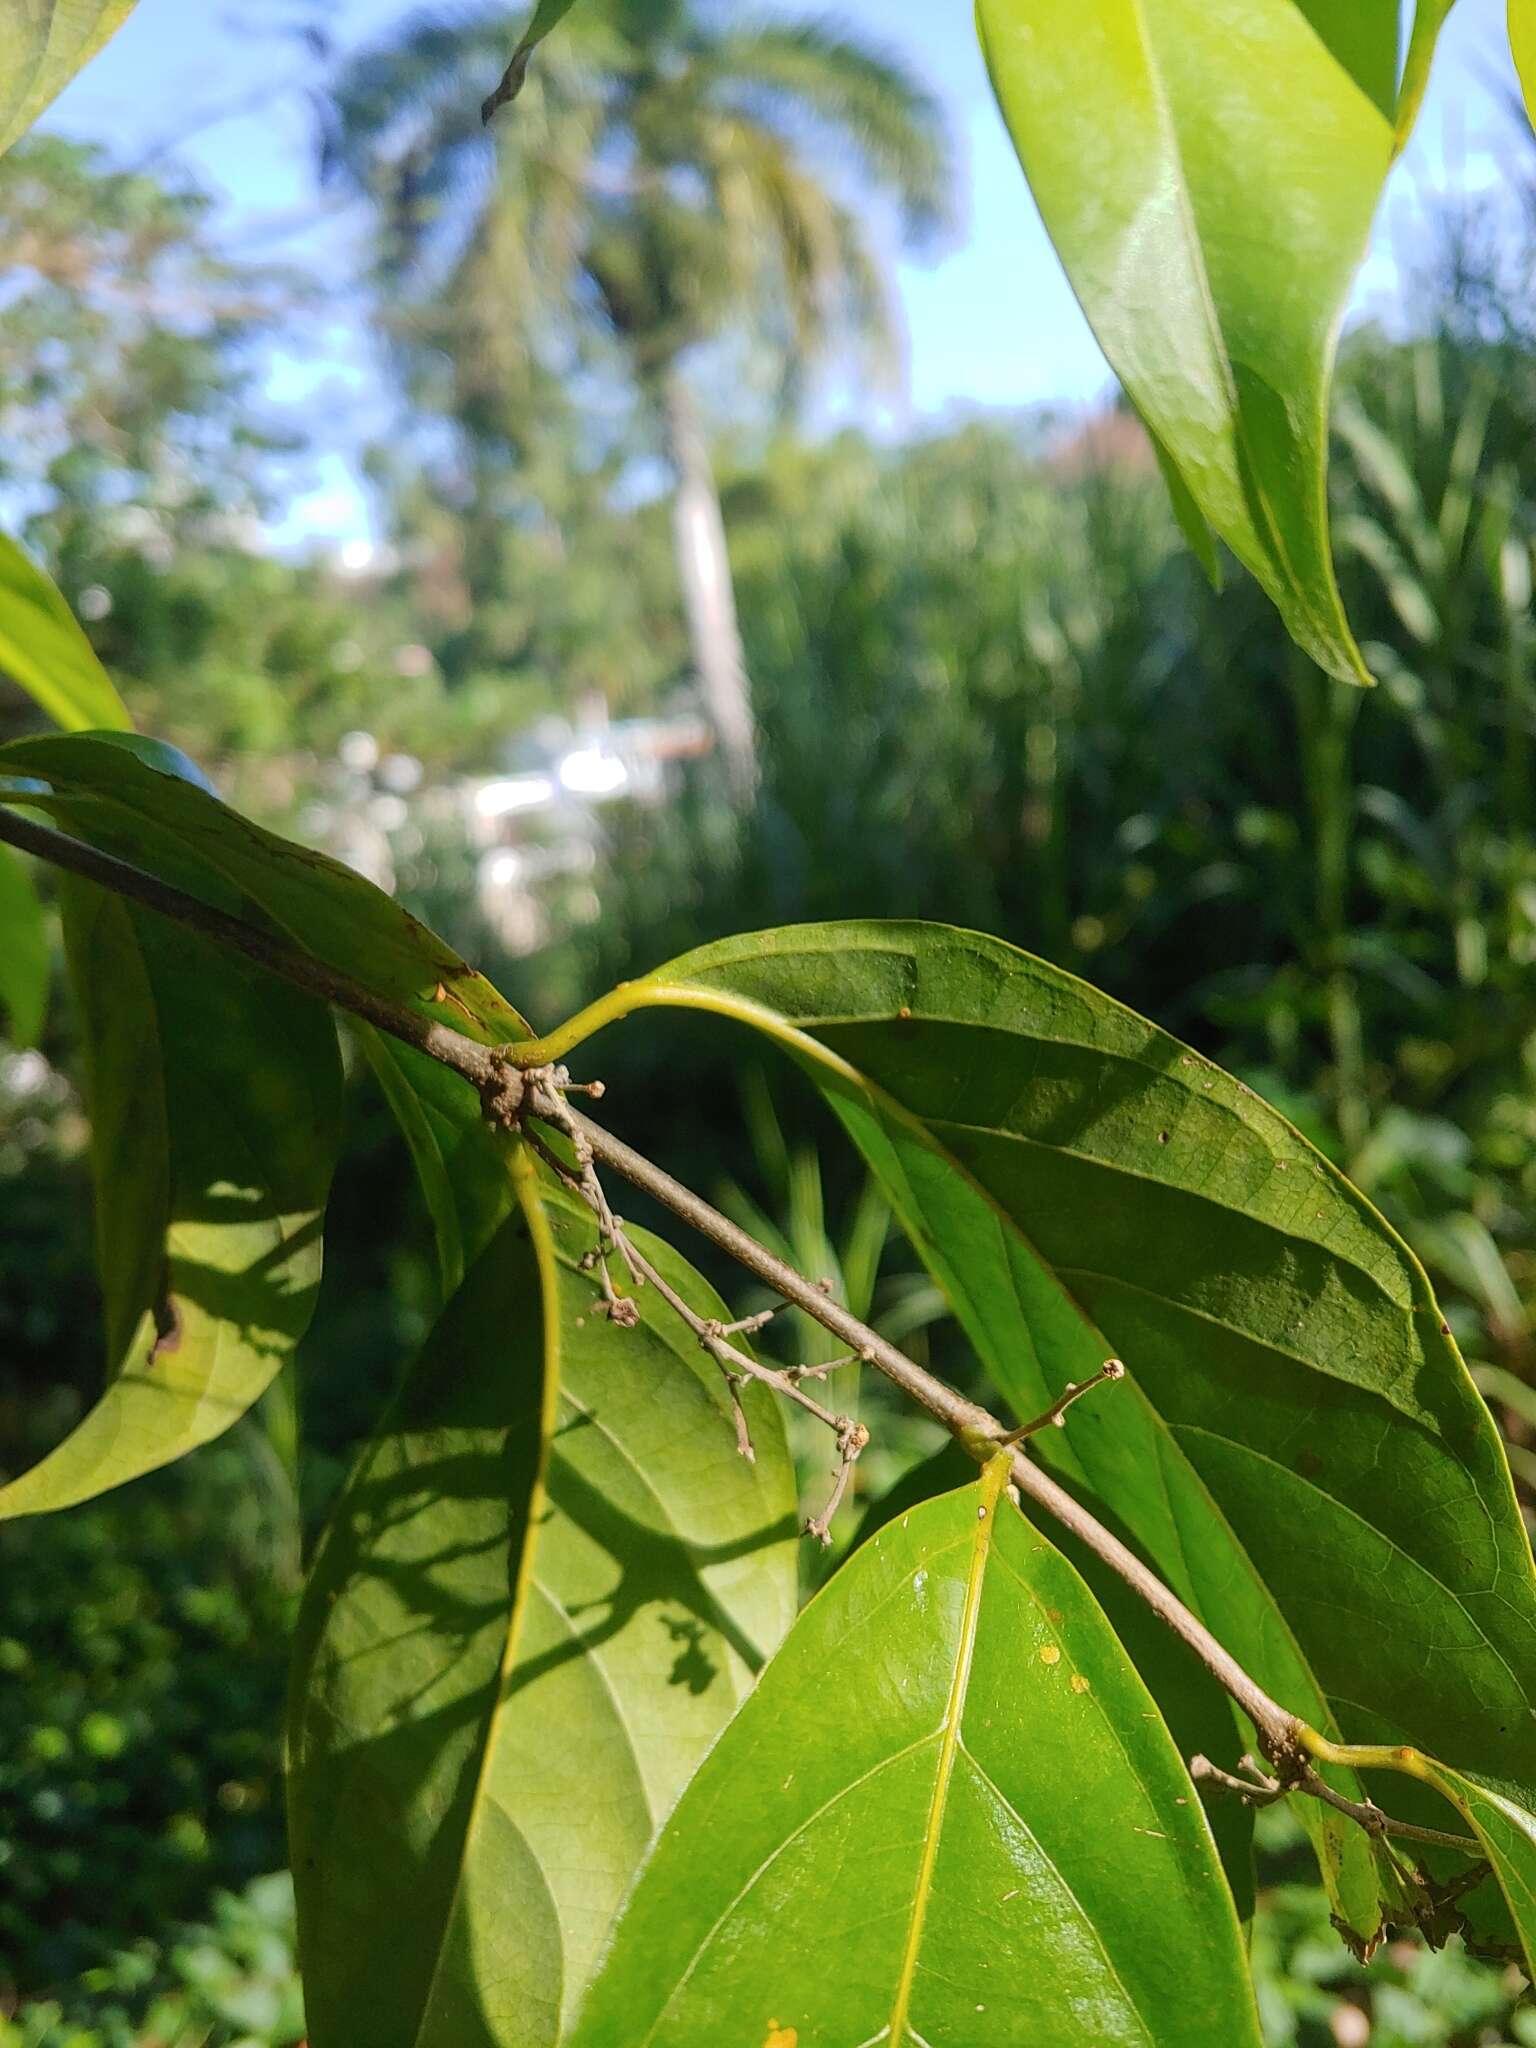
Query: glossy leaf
x=45, y=651
x=1428, y=20
x=504, y=1677
x=144, y=801
x=1197, y=1712
x=1522, y=43
x=215, y=1103
x=1298, y=1448
x=1211, y=227
x=23, y=953
x=43, y=43
x=949, y=1813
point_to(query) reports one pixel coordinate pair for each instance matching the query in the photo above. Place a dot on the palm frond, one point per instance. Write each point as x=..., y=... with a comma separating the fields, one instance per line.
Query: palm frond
x=840, y=95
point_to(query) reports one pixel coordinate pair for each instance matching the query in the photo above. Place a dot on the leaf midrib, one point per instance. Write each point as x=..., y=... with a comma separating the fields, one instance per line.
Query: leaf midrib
x=991, y=1494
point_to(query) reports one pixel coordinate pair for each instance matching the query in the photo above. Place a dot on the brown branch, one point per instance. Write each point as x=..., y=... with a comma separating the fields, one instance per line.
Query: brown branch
x=502, y=1089
x=1253, y=1791
x=1259, y=1790
x=976, y=1428
x=479, y=1064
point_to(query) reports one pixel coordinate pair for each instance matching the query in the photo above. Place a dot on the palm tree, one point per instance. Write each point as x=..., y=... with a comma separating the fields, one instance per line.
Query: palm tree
x=667, y=180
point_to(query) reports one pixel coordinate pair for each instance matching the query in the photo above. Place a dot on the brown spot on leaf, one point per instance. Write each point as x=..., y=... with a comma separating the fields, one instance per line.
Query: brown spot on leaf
x=168, y=1327
x=444, y=994
x=1308, y=1464
x=1049, y=1654
x=781, y=2037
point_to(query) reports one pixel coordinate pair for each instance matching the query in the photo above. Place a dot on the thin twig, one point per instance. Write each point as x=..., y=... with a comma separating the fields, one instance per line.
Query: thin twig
x=1056, y=1414
x=1260, y=1790
x=1204, y=1772
x=545, y=1099
x=819, y=1372
x=851, y=1439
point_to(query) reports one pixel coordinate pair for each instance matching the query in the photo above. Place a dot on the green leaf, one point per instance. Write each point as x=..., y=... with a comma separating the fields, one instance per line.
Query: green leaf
x=1428, y=20
x=1211, y=227
x=1197, y=1712
x=459, y=1164
x=125, y=1058
x=44, y=43
x=23, y=952
x=504, y=1678
x=1522, y=44
x=215, y=1099
x=1297, y=1449
x=547, y=15
x=949, y=1813
x=1193, y=524
x=145, y=802
x=43, y=648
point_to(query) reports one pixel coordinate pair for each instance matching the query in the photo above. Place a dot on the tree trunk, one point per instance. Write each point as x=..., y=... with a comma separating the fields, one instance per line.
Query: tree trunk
x=708, y=597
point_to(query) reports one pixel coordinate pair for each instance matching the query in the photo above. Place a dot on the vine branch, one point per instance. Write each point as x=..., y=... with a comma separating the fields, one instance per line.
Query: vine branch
x=545, y=1099
x=977, y=1429
x=1258, y=1789
x=507, y=1093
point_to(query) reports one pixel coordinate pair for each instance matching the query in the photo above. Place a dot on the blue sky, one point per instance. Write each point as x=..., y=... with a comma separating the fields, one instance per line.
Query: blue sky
x=989, y=319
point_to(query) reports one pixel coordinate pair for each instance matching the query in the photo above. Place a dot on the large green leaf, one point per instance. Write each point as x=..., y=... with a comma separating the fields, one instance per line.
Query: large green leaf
x=145, y=802
x=1208, y=171
x=43, y=648
x=43, y=43
x=1298, y=1448
x=1197, y=1712
x=950, y=1813
x=215, y=1102
x=503, y=1679
x=23, y=953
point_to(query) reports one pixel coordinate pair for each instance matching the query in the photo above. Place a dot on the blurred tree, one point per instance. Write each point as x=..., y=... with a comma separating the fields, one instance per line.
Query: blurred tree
x=134, y=454
x=665, y=181
x=126, y=354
